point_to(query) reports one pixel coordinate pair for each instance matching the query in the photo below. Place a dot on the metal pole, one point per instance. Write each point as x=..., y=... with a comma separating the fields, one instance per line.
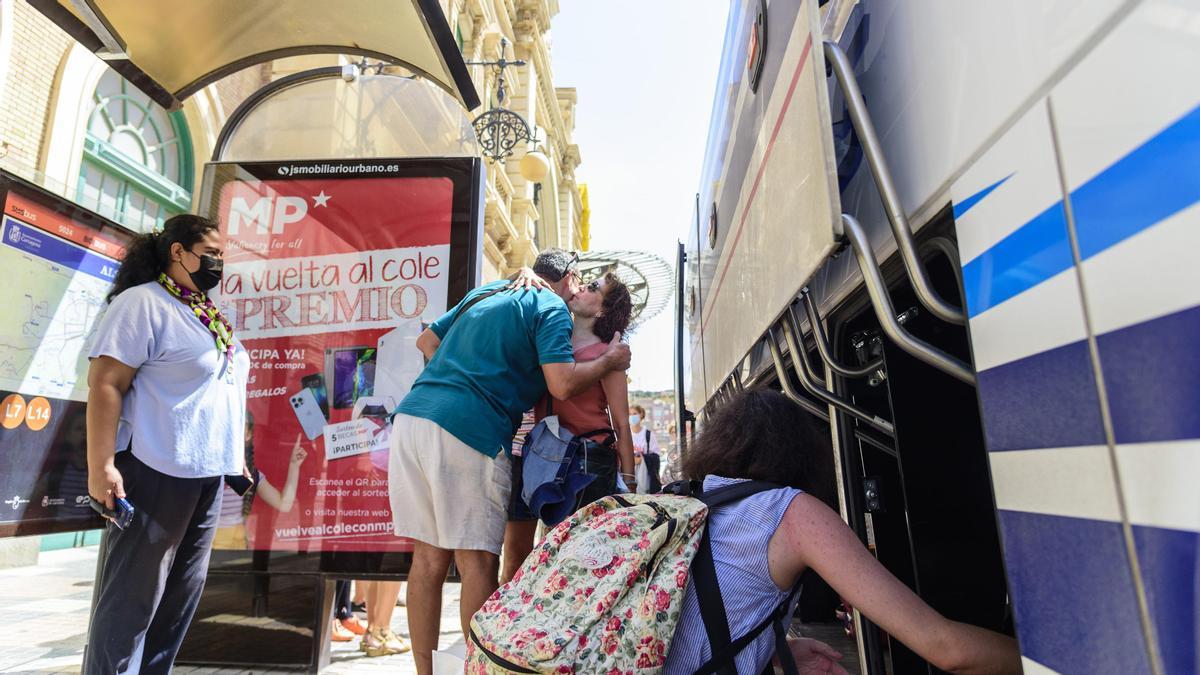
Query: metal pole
x=786, y=384
x=818, y=332
x=886, y=314
x=860, y=117
x=804, y=372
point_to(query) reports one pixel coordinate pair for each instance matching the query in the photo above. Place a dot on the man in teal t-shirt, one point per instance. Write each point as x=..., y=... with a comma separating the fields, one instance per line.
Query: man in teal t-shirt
x=491, y=358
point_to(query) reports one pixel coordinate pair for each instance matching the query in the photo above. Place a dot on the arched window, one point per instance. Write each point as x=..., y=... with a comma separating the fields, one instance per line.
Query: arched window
x=137, y=158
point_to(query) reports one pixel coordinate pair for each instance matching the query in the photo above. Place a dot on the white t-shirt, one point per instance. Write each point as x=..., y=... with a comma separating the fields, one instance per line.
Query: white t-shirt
x=640, y=444
x=186, y=408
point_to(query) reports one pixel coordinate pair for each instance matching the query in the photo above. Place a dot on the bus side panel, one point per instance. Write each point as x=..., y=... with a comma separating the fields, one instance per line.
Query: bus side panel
x=1128, y=123
x=720, y=157
x=778, y=210
x=1055, y=492
x=693, y=356
x=942, y=77
x=1121, y=132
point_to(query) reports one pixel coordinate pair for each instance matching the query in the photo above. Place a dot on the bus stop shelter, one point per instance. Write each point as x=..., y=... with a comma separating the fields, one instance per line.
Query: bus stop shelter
x=172, y=50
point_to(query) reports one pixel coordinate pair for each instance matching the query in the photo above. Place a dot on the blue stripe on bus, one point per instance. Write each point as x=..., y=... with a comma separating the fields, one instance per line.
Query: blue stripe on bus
x=1157, y=179
x=1152, y=377
x=1062, y=571
x=1167, y=559
x=1036, y=251
x=966, y=204
x=1048, y=400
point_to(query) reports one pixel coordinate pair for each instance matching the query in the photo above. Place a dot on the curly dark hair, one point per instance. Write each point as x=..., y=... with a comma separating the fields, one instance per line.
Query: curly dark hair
x=148, y=255
x=615, y=310
x=761, y=435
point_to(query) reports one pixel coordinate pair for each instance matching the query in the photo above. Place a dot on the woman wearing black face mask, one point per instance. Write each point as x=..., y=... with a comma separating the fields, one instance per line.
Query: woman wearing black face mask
x=165, y=421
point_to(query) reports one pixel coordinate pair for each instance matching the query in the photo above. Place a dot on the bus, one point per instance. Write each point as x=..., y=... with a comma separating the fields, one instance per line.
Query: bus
x=964, y=235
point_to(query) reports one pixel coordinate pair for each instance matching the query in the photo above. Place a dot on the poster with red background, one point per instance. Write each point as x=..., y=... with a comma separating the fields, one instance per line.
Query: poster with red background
x=328, y=281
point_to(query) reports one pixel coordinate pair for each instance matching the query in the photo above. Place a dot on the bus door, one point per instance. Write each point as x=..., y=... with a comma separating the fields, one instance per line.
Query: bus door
x=921, y=498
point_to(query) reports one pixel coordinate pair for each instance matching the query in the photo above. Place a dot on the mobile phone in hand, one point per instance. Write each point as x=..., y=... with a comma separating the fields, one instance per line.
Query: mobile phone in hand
x=121, y=515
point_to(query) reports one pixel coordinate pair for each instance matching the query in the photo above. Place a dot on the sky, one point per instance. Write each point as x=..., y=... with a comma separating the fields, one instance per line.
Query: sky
x=646, y=72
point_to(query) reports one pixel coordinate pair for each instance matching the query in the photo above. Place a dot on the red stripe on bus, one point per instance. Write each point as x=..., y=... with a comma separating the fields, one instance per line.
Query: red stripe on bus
x=762, y=167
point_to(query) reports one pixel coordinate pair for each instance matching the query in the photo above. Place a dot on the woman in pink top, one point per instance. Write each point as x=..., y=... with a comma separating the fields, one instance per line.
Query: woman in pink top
x=600, y=309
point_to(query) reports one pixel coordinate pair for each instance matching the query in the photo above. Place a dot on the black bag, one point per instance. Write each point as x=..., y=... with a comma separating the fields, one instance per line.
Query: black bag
x=599, y=460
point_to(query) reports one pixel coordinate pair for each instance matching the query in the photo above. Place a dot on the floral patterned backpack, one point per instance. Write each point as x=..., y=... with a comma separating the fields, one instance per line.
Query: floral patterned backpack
x=602, y=593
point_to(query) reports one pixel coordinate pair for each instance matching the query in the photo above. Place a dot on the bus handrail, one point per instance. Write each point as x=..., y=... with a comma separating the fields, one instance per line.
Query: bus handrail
x=823, y=348
x=886, y=314
x=804, y=372
x=860, y=117
x=785, y=383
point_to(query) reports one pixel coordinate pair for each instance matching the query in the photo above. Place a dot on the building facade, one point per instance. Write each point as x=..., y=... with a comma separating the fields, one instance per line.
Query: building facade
x=72, y=125
x=523, y=217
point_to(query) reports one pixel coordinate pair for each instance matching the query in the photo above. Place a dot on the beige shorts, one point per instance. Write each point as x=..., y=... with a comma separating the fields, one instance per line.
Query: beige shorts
x=443, y=492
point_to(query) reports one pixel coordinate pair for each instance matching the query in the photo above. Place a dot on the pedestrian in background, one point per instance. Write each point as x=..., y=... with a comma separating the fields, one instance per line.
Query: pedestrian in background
x=645, y=445
x=165, y=421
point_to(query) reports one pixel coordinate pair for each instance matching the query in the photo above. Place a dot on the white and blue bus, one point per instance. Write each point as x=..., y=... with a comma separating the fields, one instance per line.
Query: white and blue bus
x=966, y=234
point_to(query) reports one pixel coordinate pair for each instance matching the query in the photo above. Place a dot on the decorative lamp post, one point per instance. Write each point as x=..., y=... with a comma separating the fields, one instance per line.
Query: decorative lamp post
x=500, y=130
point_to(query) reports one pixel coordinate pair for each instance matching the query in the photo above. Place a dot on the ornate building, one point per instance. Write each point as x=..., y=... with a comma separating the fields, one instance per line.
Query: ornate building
x=523, y=217
x=73, y=125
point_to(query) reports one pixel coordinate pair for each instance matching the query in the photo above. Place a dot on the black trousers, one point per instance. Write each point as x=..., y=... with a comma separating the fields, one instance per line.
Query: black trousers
x=153, y=571
x=341, y=600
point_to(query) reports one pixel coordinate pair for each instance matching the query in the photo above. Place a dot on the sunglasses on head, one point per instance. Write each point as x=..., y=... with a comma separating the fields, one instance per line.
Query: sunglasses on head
x=571, y=268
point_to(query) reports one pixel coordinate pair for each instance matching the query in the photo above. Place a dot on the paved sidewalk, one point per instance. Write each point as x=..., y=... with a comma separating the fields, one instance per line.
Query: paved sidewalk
x=44, y=611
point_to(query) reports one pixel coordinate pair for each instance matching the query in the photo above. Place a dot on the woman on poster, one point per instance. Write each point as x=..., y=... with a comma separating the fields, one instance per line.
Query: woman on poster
x=165, y=422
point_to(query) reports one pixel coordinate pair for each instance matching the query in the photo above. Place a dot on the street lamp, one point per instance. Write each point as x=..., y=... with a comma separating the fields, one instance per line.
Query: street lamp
x=500, y=130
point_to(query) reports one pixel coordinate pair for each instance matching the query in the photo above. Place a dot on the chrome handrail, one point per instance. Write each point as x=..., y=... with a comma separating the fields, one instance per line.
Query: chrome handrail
x=860, y=117
x=804, y=372
x=785, y=383
x=823, y=348
x=886, y=314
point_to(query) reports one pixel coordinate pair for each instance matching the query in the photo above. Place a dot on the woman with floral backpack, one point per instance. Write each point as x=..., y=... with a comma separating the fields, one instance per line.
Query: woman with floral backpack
x=628, y=583
x=762, y=544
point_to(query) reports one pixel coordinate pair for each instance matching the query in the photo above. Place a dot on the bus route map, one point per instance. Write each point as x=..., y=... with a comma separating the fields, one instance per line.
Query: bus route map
x=56, y=273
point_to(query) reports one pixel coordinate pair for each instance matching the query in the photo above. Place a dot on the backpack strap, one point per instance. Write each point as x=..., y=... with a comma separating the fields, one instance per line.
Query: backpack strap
x=712, y=607
x=732, y=493
x=723, y=661
x=704, y=571
x=471, y=303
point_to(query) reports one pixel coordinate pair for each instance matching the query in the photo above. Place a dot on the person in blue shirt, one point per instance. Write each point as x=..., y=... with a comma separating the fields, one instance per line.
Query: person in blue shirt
x=490, y=358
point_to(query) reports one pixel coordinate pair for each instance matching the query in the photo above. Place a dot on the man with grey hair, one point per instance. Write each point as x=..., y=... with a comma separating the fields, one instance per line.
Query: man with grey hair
x=491, y=358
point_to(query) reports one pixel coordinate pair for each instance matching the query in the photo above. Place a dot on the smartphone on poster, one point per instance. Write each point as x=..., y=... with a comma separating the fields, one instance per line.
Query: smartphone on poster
x=308, y=412
x=315, y=382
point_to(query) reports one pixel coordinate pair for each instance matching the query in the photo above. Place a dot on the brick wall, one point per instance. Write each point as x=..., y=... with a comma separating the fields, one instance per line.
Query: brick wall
x=234, y=89
x=38, y=48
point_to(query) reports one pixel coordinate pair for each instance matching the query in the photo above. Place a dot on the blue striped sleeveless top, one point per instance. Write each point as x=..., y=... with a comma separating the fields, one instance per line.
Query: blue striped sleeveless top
x=739, y=533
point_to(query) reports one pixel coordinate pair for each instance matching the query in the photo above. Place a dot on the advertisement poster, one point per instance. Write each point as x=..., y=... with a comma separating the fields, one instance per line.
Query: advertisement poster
x=59, y=262
x=332, y=270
